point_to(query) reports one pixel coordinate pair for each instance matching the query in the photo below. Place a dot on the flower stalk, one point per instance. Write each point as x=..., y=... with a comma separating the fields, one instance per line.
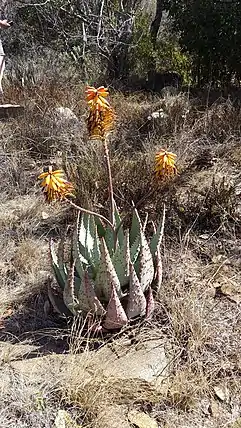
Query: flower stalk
x=110, y=181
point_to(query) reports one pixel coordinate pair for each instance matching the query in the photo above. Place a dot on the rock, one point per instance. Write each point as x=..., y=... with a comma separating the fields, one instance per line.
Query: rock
x=232, y=292
x=159, y=114
x=147, y=361
x=222, y=392
x=64, y=116
x=10, y=110
x=63, y=420
x=112, y=417
x=141, y=419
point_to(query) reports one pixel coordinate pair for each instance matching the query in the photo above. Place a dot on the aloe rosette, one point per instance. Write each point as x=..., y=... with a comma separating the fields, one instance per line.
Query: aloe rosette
x=113, y=272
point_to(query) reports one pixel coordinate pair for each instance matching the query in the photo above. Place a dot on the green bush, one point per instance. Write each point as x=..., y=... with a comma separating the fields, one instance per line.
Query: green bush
x=167, y=55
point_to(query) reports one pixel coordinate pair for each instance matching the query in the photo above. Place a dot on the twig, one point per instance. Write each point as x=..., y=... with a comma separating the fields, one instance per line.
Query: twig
x=84, y=210
x=100, y=21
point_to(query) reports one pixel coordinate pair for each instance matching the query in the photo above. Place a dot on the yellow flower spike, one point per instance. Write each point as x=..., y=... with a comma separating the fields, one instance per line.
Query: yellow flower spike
x=54, y=186
x=165, y=164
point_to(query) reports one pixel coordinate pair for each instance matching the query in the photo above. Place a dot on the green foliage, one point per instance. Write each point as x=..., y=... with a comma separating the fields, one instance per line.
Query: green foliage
x=111, y=273
x=211, y=32
x=167, y=54
x=142, y=52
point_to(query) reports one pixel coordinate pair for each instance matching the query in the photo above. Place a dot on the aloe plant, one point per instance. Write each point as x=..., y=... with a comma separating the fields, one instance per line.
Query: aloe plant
x=113, y=272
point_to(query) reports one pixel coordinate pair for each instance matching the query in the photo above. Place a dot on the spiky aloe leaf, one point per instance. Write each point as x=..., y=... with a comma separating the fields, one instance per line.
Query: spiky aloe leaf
x=136, y=300
x=110, y=240
x=59, y=269
x=88, y=240
x=119, y=226
x=158, y=235
x=135, y=227
x=94, y=303
x=115, y=314
x=95, y=250
x=121, y=259
x=150, y=303
x=69, y=292
x=58, y=303
x=106, y=276
x=107, y=233
x=135, y=249
x=158, y=278
x=77, y=257
x=144, y=265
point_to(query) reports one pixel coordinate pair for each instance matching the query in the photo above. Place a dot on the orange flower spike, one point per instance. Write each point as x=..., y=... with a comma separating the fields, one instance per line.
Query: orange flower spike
x=96, y=97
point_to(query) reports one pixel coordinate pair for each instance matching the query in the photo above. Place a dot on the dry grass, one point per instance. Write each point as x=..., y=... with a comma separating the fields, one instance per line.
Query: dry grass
x=201, y=253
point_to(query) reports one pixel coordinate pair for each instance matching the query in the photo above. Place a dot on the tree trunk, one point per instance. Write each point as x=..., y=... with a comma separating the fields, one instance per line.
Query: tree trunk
x=155, y=25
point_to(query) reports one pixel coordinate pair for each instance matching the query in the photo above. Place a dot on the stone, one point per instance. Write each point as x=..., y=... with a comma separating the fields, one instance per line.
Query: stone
x=65, y=116
x=141, y=419
x=112, y=417
x=64, y=420
x=147, y=361
x=8, y=111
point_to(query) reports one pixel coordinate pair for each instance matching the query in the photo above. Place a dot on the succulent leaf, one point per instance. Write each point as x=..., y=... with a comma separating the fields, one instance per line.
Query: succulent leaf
x=88, y=240
x=144, y=265
x=135, y=227
x=158, y=278
x=110, y=240
x=95, y=252
x=82, y=297
x=119, y=226
x=158, y=235
x=77, y=256
x=94, y=302
x=115, y=314
x=106, y=277
x=121, y=260
x=150, y=303
x=60, y=270
x=107, y=233
x=58, y=303
x=69, y=292
x=135, y=249
x=136, y=300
